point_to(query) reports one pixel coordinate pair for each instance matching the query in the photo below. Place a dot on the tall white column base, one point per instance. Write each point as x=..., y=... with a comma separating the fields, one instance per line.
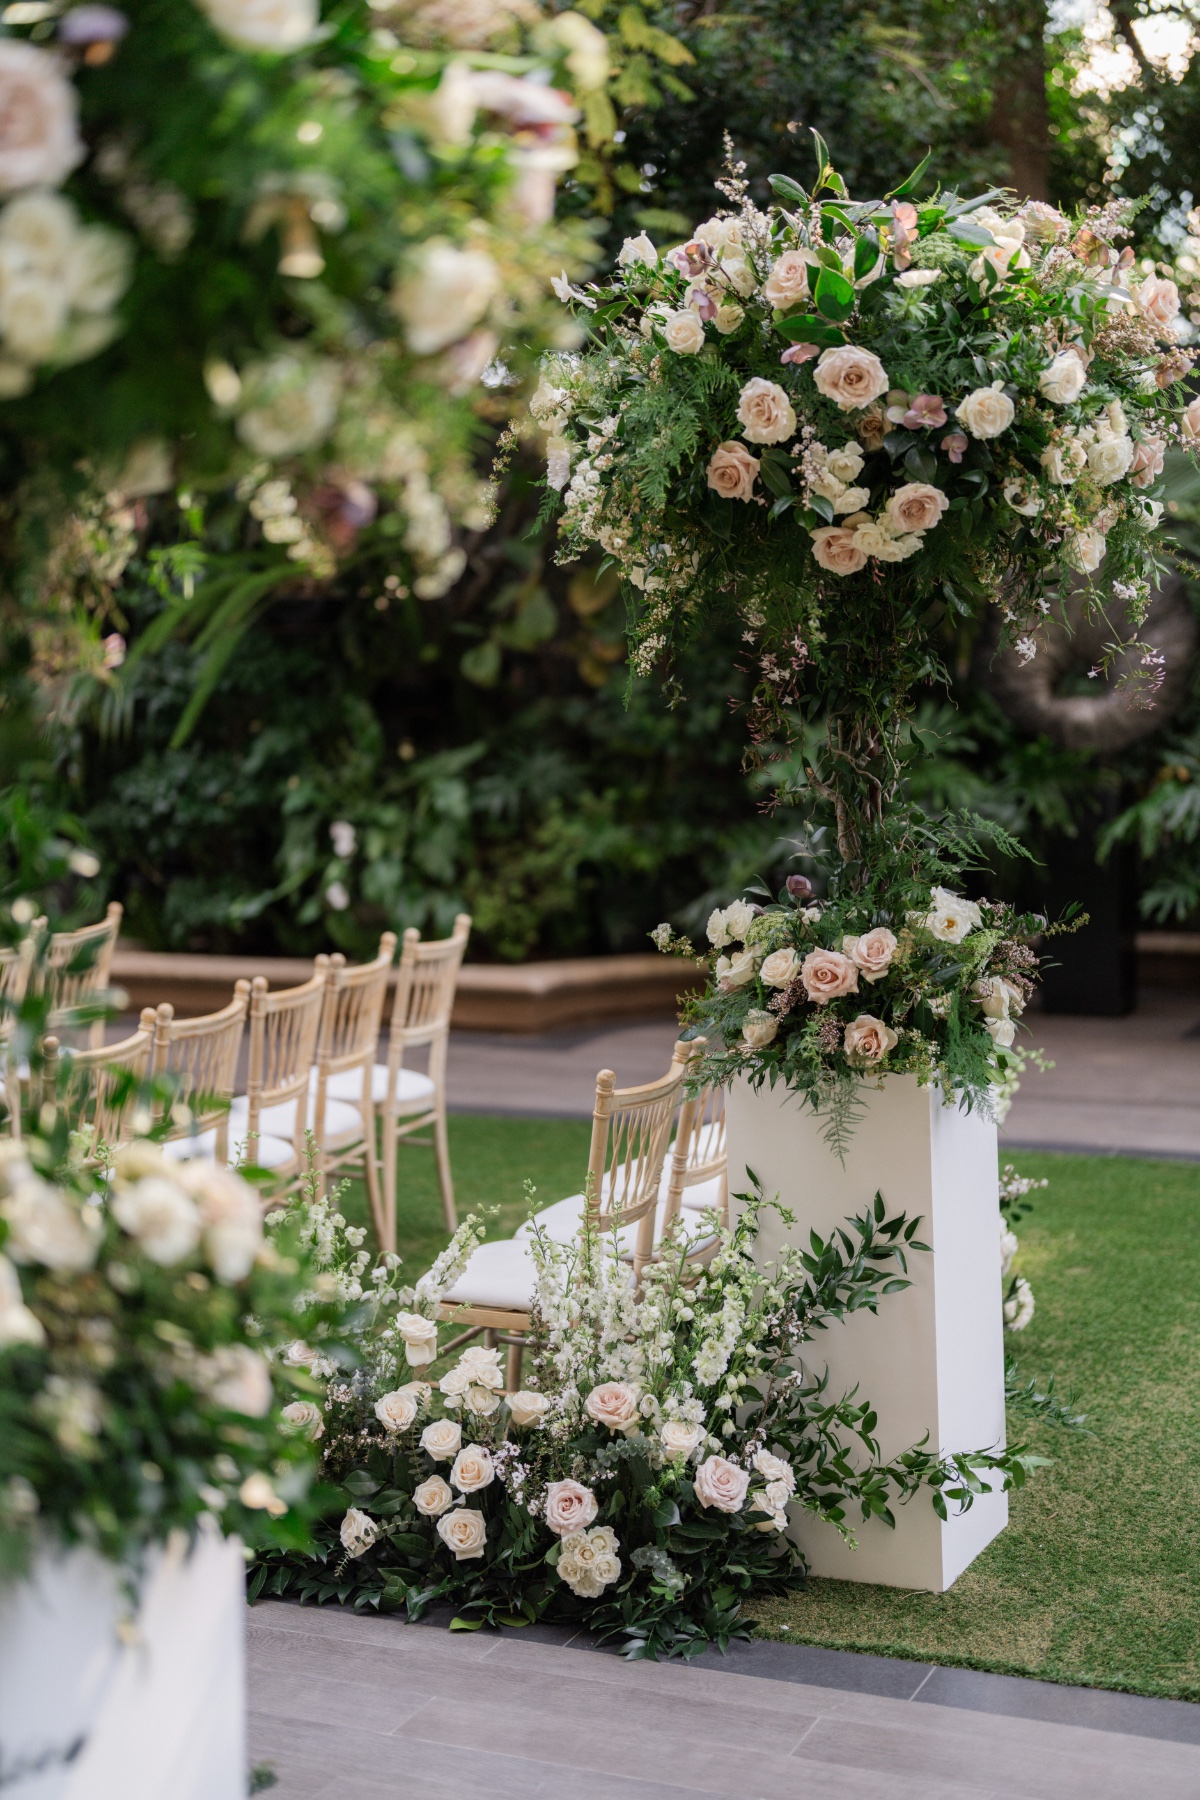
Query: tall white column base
x=931, y=1361
x=100, y=1703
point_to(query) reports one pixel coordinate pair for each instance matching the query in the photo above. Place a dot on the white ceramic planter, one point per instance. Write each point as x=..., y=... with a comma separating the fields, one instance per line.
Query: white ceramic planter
x=99, y=1701
x=932, y=1359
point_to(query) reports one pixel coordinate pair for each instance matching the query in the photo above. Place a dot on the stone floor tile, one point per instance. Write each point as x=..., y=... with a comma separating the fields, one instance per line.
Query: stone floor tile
x=814, y=1666
x=1099, y=1709
x=314, y=1762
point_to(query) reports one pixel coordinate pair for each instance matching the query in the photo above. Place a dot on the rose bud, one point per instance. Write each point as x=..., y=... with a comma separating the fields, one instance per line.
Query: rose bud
x=799, y=887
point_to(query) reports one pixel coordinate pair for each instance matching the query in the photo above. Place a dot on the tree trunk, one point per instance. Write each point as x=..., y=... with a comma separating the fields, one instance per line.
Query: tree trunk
x=1019, y=119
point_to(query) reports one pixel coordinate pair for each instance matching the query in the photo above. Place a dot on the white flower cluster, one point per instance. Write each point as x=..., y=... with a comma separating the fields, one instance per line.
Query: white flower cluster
x=60, y=282
x=588, y=1561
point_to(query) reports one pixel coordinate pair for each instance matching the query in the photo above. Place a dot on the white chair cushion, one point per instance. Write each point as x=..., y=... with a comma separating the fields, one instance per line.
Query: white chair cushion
x=499, y=1274
x=412, y=1089
x=561, y=1223
x=265, y=1152
x=342, y=1122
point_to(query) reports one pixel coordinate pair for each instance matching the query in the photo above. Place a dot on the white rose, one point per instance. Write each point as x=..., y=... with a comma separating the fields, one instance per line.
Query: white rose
x=483, y=1401
x=1019, y=1310
x=358, y=1532
x=1063, y=380
x=43, y=1227
x=986, y=412
x=718, y=928
x=463, y=1531
x=765, y=412
x=738, y=274
x=718, y=233
x=637, y=250
x=39, y=139
x=18, y=1325
x=679, y=1438
x=735, y=971
x=273, y=26
x=759, y=1029
x=161, y=1216
x=845, y=464
x=396, y=1411
x=775, y=1469
x=998, y=997
x=558, y=463
x=788, y=281
x=777, y=1494
x=1064, y=460
x=37, y=231
x=420, y=1338
x=781, y=968
x=472, y=1469
x=918, y=278
x=303, y=1418
x=290, y=404
x=569, y=1507
x=728, y=317
x=952, y=918
x=98, y=269
x=33, y=311
x=230, y=1217
x=1109, y=458
x=444, y=293
x=613, y=1404
x=684, y=332
x=721, y=1484
x=852, y=500
x=999, y=256
x=1001, y=1031
x=741, y=915
x=238, y=1378
x=433, y=1497
x=527, y=1408
x=442, y=1440
x=1085, y=550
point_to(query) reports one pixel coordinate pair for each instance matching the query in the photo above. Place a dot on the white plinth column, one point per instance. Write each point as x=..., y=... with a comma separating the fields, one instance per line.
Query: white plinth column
x=96, y=1704
x=932, y=1359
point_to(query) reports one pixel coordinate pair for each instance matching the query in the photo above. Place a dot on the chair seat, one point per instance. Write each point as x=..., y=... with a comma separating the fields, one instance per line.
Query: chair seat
x=499, y=1274
x=561, y=1221
x=413, y=1090
x=266, y=1152
x=343, y=1123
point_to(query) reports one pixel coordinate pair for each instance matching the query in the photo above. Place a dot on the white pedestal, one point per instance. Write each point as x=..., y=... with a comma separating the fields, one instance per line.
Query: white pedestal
x=932, y=1358
x=155, y=1699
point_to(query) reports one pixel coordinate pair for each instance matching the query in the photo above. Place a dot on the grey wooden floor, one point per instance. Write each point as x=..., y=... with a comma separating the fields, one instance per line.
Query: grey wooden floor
x=367, y=1708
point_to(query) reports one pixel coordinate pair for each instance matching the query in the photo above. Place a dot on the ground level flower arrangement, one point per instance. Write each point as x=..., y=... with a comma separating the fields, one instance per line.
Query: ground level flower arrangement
x=644, y=1478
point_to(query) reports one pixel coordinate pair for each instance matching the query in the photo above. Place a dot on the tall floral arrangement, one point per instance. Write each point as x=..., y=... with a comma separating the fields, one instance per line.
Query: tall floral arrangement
x=849, y=420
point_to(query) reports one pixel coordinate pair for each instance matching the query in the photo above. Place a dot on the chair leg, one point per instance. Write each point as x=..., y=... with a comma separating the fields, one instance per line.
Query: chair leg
x=513, y=1371
x=445, y=1179
x=387, y=1241
x=387, y=1162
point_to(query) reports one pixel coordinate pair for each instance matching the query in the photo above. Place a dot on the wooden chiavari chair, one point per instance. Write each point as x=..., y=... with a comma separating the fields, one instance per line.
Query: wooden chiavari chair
x=91, y=1086
x=202, y=1056
x=346, y=1046
x=269, y=1121
x=69, y=987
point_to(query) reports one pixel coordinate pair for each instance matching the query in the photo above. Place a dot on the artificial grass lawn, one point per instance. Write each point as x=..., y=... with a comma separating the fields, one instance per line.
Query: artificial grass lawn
x=1097, y=1579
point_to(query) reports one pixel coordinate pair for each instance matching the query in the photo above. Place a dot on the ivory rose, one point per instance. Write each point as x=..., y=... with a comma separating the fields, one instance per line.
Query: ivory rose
x=836, y=549
x=1085, y=550
x=728, y=317
x=164, y=1220
x=775, y=1468
x=39, y=138
x=1064, y=461
x=304, y=1418
x=527, y=1408
x=721, y=1484
x=1157, y=300
x=358, y=1532
x=444, y=293
x=433, y=1497
x=1147, y=464
x=986, y=412
x=765, y=412
x=788, y=281
x=472, y=1469
x=274, y=26
x=463, y=1531
x=850, y=377
x=735, y=971
x=951, y=918
x=738, y=274
x=569, y=1507
x=845, y=464
x=872, y=953
x=732, y=472
x=396, y=1411
x=781, y=968
x=1001, y=1031
x=613, y=1404
x=679, y=1438
x=420, y=1338
x=998, y=997
x=684, y=332
x=1110, y=457
x=589, y=1562
x=1189, y=424
x=827, y=975
x=238, y=1378
x=759, y=1029
x=43, y=1227
x=868, y=1039
x=917, y=506
x=18, y=1325
x=1064, y=379
x=230, y=1215
x=637, y=250
x=442, y=1439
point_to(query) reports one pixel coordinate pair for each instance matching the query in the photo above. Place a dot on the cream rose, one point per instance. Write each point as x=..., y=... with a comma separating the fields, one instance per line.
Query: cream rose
x=589, y=1562
x=358, y=1532
x=569, y=1507
x=998, y=997
x=684, y=332
x=788, y=281
x=1147, y=464
x=18, y=1325
x=527, y=1408
x=1109, y=458
x=986, y=412
x=1001, y=1031
x=845, y=464
x=463, y=1531
x=275, y=26
x=739, y=276
x=472, y=1469
x=728, y=317
x=781, y=968
x=1158, y=302
x=837, y=549
x=237, y=1378
x=613, y=1404
x=775, y=1469
x=230, y=1216
x=1064, y=461
x=1085, y=550
x=442, y=1439
x=872, y=953
x=637, y=250
x=732, y=472
x=433, y=1497
x=868, y=1039
x=827, y=975
x=483, y=1401
x=420, y=1338
x=1189, y=424
x=39, y=138
x=303, y=1418
x=164, y=1220
x=1064, y=379
x=43, y=1227
x=721, y=1484
x=766, y=414
x=396, y=1411
x=735, y=971
x=850, y=377
x=917, y=506
x=759, y=1029
x=679, y=1438
x=951, y=918
x=444, y=293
